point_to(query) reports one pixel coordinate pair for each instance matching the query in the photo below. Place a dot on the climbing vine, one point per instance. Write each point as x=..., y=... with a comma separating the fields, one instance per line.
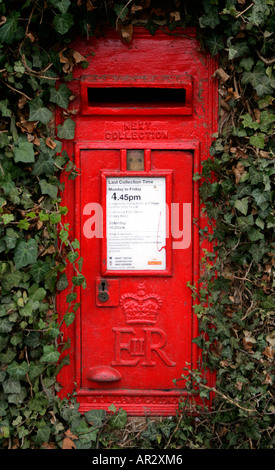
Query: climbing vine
x=235, y=299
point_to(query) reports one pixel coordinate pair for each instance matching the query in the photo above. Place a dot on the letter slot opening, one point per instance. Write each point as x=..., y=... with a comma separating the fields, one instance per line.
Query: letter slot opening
x=132, y=96
x=141, y=98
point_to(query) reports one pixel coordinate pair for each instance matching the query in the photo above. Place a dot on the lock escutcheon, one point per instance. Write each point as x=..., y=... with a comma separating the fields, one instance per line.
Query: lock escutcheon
x=103, y=294
x=106, y=292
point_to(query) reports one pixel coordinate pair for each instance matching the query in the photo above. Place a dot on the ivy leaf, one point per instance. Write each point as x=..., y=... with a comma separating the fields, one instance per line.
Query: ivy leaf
x=8, y=356
x=257, y=252
x=7, y=218
x=258, y=140
x=244, y=223
x=247, y=63
x=25, y=253
x=11, y=238
x=33, y=339
x=267, y=119
x=215, y=43
x=70, y=297
x=257, y=14
x=255, y=176
x=62, y=23
x=4, y=109
x=45, y=164
x=39, y=270
x=75, y=244
x=237, y=50
x=49, y=354
x=35, y=370
x=11, y=280
x=17, y=371
x=248, y=122
x=265, y=101
x=211, y=18
x=78, y=280
x=11, y=386
x=254, y=234
x=4, y=140
x=66, y=131
x=39, y=293
x=62, y=5
x=38, y=112
x=5, y=325
x=69, y=318
x=17, y=398
x=119, y=419
x=62, y=282
x=60, y=96
x=29, y=308
x=242, y=48
x=254, y=76
x=55, y=218
x=8, y=30
x=23, y=224
x=264, y=88
x=43, y=435
x=242, y=205
x=3, y=408
x=260, y=196
x=24, y=153
x=2, y=376
x=72, y=256
x=47, y=188
x=95, y=417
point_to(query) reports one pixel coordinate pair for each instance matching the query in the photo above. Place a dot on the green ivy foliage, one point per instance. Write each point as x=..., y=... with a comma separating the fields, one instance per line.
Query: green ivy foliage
x=235, y=299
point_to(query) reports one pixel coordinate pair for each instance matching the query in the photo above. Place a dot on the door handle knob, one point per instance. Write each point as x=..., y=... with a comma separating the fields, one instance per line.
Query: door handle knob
x=104, y=374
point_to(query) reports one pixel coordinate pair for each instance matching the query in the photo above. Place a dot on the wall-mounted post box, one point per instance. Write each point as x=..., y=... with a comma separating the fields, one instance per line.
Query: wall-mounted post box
x=147, y=112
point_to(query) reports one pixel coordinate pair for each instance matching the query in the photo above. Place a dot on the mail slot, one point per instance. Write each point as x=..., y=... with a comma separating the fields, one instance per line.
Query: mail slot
x=146, y=114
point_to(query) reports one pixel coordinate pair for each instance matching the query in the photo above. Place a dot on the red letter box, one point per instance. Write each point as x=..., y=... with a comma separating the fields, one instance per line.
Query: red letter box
x=147, y=112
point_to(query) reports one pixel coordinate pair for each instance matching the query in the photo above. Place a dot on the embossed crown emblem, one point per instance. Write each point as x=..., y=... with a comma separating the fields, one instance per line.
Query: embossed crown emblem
x=140, y=307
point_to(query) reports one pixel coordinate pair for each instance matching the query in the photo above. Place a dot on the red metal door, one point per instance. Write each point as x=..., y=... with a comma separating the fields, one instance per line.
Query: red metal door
x=140, y=338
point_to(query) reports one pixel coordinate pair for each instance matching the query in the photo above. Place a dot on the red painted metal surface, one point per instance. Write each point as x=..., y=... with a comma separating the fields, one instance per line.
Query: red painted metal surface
x=133, y=334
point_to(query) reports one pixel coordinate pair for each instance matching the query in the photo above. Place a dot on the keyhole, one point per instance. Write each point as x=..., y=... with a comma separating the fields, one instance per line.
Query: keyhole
x=103, y=294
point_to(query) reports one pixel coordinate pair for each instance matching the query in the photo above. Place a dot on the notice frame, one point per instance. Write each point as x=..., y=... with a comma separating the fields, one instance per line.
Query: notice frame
x=123, y=266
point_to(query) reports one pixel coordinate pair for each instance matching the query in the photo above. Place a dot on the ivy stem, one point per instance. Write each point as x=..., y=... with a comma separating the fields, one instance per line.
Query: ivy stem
x=17, y=91
x=128, y=3
x=242, y=12
x=230, y=400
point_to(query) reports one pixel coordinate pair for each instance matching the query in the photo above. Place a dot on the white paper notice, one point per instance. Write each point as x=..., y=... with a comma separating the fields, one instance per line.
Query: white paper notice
x=136, y=223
